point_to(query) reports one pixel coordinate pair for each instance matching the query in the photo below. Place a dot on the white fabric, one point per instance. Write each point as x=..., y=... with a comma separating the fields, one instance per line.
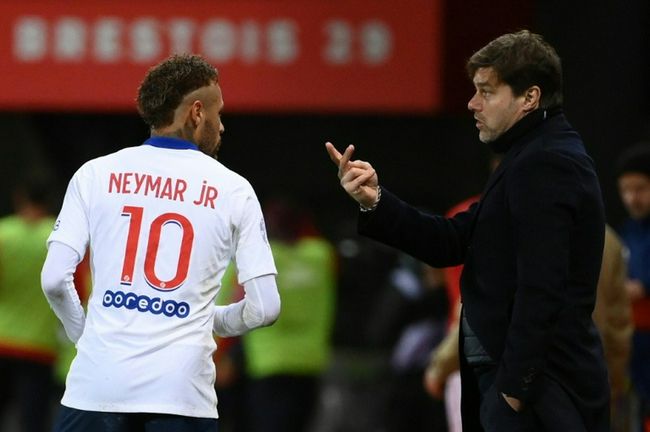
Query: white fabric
x=260, y=307
x=162, y=225
x=57, y=280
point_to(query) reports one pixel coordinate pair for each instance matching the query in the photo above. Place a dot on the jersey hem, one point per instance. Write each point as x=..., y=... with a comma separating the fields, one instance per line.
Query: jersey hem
x=136, y=408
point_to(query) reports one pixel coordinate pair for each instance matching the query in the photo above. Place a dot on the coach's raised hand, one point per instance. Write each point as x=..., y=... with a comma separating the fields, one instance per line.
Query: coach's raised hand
x=358, y=178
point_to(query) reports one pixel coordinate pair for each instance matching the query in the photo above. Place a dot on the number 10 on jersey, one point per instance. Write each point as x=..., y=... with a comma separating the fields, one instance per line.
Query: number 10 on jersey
x=153, y=243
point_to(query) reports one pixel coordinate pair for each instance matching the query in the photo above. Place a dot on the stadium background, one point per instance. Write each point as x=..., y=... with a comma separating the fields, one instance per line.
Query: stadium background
x=429, y=157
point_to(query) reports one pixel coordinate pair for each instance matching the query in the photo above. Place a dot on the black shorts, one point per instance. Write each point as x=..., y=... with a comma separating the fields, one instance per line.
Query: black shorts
x=74, y=420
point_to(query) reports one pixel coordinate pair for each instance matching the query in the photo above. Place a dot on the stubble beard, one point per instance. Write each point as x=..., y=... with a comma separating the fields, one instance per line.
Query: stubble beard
x=210, y=141
x=486, y=137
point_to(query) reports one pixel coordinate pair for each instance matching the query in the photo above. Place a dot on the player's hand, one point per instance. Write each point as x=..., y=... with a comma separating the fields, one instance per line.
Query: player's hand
x=358, y=178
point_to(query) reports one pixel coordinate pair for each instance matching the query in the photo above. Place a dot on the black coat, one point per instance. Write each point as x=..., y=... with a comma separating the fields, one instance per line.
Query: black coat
x=532, y=251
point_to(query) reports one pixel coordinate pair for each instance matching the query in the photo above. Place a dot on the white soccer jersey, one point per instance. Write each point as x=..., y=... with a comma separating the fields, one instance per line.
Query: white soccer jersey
x=163, y=220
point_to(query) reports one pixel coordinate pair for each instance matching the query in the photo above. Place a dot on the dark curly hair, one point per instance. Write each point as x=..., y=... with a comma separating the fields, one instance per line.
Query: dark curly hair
x=166, y=84
x=521, y=60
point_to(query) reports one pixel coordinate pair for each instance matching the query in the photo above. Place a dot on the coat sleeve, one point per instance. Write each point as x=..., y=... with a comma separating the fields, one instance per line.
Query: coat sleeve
x=544, y=193
x=435, y=240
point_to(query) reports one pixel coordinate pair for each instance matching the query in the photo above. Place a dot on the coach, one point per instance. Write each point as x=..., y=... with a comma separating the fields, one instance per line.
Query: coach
x=531, y=356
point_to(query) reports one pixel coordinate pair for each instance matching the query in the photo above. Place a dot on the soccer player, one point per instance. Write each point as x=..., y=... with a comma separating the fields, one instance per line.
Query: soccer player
x=162, y=221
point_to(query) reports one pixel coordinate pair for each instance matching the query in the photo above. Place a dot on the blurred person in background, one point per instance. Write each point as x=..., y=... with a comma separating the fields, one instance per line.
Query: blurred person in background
x=284, y=363
x=442, y=375
x=28, y=327
x=613, y=317
x=410, y=320
x=442, y=378
x=230, y=382
x=532, y=248
x=356, y=383
x=634, y=188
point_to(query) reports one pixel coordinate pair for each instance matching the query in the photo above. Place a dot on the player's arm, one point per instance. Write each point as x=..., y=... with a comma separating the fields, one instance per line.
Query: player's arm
x=57, y=282
x=260, y=307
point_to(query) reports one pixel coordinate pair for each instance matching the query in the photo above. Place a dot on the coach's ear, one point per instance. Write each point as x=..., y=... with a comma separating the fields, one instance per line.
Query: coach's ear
x=532, y=97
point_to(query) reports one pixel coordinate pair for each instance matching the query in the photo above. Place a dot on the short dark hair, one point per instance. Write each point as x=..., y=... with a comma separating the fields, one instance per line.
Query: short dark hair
x=166, y=84
x=521, y=60
x=635, y=159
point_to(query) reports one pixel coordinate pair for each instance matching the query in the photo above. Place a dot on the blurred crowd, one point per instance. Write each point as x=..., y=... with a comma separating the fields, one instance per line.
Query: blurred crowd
x=367, y=339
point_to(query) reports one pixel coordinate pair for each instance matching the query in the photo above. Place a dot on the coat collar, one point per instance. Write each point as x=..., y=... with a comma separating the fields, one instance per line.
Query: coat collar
x=526, y=124
x=511, y=143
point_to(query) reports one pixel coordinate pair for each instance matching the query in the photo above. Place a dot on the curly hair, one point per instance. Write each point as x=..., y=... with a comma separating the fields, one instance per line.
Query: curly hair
x=521, y=60
x=166, y=84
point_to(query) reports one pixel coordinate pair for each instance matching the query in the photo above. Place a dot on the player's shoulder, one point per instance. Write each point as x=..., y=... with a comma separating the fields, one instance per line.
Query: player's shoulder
x=109, y=159
x=228, y=177
x=93, y=168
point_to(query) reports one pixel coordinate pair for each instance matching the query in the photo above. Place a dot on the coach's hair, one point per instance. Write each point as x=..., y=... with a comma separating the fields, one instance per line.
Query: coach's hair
x=522, y=60
x=165, y=85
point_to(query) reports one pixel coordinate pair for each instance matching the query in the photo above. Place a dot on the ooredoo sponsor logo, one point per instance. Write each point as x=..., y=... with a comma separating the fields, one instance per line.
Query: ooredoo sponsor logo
x=143, y=303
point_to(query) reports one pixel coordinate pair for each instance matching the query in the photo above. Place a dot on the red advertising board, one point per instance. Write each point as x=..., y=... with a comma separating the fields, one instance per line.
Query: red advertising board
x=272, y=55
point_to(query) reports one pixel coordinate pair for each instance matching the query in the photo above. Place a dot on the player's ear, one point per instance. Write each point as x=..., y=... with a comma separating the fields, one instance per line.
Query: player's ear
x=196, y=113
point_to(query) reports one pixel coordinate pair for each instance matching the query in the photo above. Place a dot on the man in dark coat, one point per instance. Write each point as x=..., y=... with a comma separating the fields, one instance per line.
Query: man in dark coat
x=530, y=353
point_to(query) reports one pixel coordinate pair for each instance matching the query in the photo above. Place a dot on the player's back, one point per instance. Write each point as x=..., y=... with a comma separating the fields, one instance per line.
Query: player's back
x=162, y=224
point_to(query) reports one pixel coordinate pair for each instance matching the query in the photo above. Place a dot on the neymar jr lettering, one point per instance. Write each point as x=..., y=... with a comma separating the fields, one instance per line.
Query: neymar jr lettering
x=159, y=187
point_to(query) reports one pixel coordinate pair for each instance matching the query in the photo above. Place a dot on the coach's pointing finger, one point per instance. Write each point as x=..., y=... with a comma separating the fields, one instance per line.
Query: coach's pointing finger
x=340, y=160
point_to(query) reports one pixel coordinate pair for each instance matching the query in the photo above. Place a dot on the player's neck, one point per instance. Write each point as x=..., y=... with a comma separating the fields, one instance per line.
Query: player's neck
x=174, y=132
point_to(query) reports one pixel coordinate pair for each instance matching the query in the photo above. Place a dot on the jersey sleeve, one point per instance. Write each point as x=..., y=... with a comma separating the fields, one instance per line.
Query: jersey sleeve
x=71, y=226
x=253, y=255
